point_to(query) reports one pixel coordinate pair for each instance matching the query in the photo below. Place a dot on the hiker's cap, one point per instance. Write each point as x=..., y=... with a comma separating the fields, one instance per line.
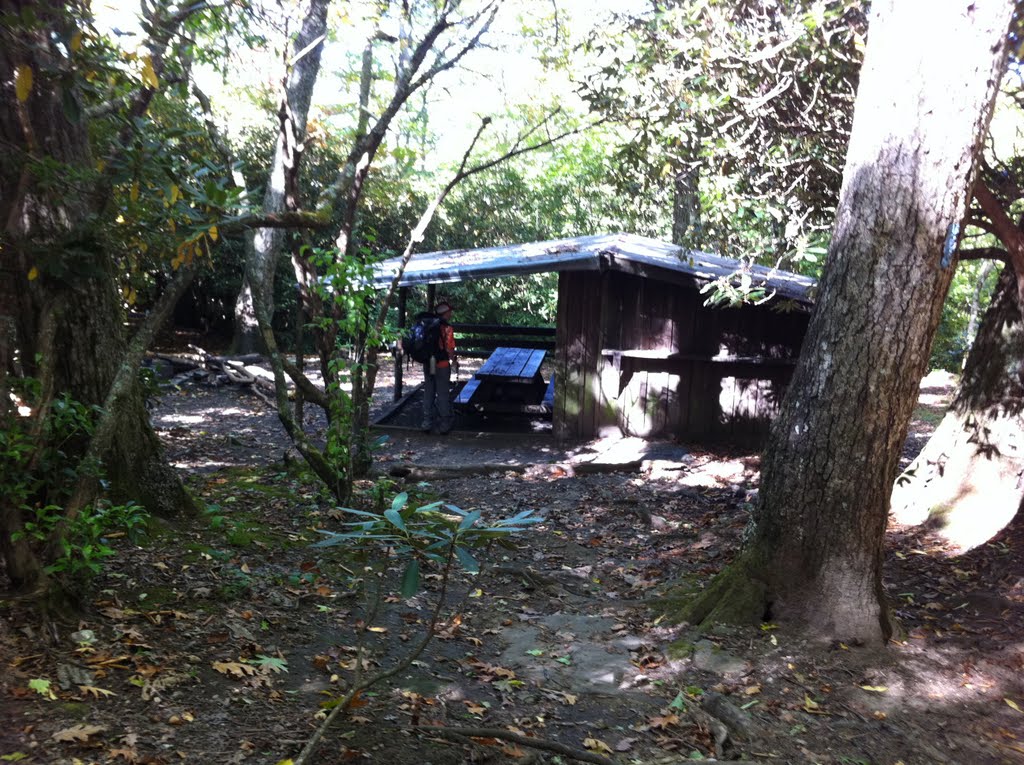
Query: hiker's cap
x=443, y=307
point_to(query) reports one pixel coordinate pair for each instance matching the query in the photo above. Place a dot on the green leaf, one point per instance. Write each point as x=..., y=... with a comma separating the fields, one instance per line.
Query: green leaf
x=42, y=686
x=396, y=519
x=411, y=579
x=678, y=702
x=566, y=660
x=468, y=561
x=535, y=652
x=360, y=512
x=273, y=663
x=399, y=501
x=469, y=520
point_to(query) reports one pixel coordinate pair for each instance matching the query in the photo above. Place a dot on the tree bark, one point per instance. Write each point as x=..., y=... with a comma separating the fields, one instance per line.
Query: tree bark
x=63, y=273
x=815, y=557
x=967, y=481
x=263, y=245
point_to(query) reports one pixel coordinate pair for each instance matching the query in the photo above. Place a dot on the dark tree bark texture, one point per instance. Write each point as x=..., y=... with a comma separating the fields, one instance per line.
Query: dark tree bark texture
x=967, y=481
x=815, y=557
x=55, y=231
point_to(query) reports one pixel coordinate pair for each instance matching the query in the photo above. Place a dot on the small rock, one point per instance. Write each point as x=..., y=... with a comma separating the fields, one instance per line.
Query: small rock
x=710, y=658
x=84, y=636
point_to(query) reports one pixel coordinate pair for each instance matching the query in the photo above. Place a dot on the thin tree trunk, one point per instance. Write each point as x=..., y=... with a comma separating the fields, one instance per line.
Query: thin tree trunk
x=967, y=481
x=686, y=219
x=815, y=557
x=263, y=245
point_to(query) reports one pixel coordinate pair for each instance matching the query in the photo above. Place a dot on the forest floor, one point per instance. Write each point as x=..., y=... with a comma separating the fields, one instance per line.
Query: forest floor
x=218, y=639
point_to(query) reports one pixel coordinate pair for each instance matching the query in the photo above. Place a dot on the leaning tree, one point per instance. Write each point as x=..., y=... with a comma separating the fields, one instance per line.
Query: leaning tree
x=968, y=481
x=814, y=558
x=65, y=316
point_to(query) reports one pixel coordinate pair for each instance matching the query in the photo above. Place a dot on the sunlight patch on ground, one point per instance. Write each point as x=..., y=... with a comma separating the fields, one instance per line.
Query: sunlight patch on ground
x=205, y=415
x=716, y=473
x=201, y=465
x=183, y=419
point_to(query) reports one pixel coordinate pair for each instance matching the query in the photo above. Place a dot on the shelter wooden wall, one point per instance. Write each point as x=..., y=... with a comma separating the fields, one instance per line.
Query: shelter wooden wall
x=647, y=355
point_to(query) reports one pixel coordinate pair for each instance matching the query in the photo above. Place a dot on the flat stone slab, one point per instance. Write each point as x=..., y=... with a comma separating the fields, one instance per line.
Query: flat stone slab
x=571, y=652
x=710, y=658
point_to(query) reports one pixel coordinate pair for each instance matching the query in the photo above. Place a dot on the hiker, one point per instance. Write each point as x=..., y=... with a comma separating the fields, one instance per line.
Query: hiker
x=437, y=375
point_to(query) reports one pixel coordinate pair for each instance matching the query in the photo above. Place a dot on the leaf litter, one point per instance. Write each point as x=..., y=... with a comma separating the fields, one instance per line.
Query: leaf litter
x=191, y=637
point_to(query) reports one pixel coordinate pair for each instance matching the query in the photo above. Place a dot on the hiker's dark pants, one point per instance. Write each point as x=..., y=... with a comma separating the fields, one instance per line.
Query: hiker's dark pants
x=437, y=406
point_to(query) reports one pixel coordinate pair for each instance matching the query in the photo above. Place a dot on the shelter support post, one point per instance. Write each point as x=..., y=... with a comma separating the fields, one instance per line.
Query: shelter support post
x=403, y=297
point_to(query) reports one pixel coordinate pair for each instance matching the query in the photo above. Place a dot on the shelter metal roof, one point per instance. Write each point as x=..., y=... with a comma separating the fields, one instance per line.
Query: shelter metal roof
x=617, y=252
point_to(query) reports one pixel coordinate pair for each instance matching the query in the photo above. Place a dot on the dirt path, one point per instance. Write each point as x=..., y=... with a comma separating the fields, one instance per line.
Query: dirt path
x=218, y=640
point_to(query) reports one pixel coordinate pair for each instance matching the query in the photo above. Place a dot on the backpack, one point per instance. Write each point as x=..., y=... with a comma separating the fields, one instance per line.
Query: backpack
x=424, y=338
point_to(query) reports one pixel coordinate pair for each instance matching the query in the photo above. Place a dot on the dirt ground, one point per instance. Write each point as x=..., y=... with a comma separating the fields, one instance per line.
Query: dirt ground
x=223, y=638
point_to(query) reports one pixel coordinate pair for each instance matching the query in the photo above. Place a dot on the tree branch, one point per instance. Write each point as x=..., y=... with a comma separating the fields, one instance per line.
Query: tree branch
x=283, y=219
x=985, y=253
x=581, y=755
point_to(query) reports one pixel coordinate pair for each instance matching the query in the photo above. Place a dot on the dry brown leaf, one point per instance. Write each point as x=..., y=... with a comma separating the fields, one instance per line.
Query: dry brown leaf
x=79, y=733
x=92, y=690
x=235, y=668
x=663, y=722
x=597, y=745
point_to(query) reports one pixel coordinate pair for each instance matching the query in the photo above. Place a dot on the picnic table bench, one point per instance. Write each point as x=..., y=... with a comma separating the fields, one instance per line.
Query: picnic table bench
x=508, y=381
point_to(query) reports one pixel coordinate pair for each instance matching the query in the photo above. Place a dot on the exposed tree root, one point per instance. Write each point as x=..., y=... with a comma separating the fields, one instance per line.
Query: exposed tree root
x=581, y=755
x=735, y=596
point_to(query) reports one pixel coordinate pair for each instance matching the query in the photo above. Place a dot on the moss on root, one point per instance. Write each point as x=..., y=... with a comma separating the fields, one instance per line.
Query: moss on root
x=734, y=596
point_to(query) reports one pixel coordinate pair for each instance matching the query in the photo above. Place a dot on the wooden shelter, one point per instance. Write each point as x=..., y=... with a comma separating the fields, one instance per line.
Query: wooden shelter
x=635, y=346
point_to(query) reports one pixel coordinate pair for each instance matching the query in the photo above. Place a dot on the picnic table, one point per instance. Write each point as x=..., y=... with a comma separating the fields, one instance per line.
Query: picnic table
x=508, y=381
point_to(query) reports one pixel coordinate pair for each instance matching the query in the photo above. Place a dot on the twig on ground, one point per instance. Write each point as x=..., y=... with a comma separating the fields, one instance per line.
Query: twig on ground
x=581, y=755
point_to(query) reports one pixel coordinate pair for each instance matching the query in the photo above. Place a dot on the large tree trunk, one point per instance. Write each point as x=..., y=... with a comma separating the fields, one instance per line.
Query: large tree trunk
x=64, y=275
x=815, y=557
x=967, y=481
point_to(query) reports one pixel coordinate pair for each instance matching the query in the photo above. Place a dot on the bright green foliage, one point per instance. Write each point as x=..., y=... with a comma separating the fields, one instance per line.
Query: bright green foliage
x=39, y=476
x=40, y=470
x=740, y=115
x=83, y=547
x=436, y=532
x=968, y=297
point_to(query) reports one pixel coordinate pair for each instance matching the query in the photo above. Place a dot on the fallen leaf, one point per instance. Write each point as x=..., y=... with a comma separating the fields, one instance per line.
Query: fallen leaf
x=625, y=744
x=77, y=733
x=597, y=745
x=92, y=690
x=43, y=687
x=750, y=690
x=663, y=722
x=874, y=688
x=1013, y=705
x=234, y=668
